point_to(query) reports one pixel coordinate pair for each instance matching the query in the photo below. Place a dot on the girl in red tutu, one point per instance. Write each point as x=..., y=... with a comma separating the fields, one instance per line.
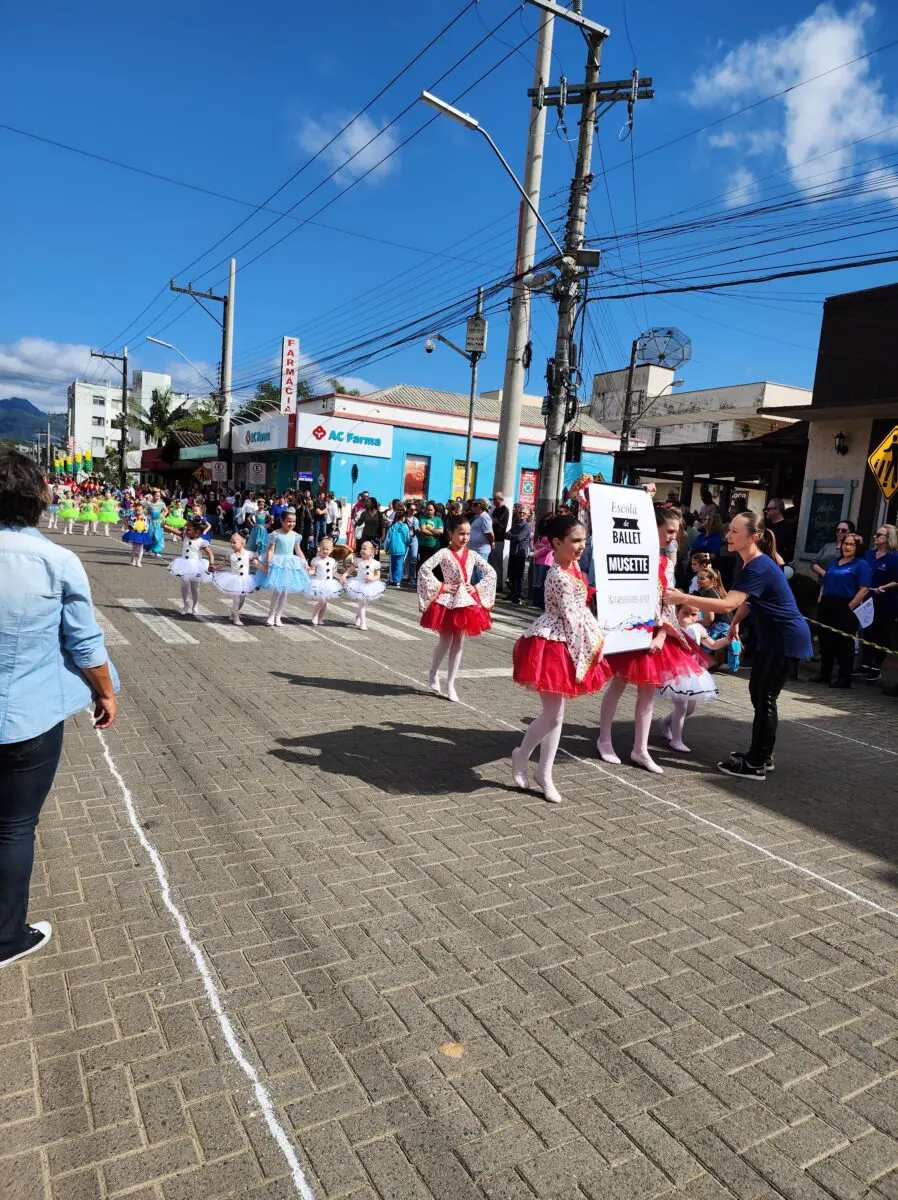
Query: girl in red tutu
x=670, y=656
x=559, y=655
x=456, y=607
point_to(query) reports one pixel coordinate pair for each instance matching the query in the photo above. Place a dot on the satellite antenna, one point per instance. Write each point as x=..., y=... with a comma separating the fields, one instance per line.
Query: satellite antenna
x=667, y=347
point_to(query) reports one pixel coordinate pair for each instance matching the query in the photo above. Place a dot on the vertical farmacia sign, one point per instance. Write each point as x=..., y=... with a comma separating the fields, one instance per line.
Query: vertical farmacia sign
x=289, y=373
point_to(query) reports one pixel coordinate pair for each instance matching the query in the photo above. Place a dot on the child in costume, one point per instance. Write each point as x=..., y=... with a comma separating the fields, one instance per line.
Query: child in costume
x=365, y=583
x=285, y=567
x=138, y=535
x=68, y=512
x=175, y=522
x=688, y=689
x=325, y=584
x=237, y=581
x=89, y=515
x=193, y=566
x=559, y=655
x=455, y=608
x=257, y=542
x=53, y=510
x=669, y=657
x=108, y=514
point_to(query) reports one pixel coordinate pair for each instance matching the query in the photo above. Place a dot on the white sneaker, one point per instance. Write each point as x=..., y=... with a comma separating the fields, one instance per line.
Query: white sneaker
x=45, y=931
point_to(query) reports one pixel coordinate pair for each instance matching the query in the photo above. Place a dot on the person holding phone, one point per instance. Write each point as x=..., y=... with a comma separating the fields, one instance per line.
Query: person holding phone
x=53, y=663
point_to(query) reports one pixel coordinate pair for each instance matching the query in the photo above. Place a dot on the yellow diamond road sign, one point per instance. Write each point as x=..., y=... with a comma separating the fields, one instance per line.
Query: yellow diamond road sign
x=883, y=462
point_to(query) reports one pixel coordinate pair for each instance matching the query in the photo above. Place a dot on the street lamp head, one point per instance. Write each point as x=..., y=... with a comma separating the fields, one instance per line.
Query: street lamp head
x=158, y=342
x=677, y=383
x=448, y=110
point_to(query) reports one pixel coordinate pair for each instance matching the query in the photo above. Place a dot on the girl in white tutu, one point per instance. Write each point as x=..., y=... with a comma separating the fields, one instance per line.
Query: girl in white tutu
x=686, y=689
x=194, y=565
x=285, y=567
x=365, y=583
x=237, y=582
x=325, y=584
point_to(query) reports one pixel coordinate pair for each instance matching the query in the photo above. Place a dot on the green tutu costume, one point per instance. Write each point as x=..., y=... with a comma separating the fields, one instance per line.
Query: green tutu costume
x=88, y=513
x=67, y=511
x=175, y=518
x=108, y=512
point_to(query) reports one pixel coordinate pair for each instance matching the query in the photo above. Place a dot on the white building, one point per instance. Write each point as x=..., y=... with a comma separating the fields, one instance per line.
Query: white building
x=143, y=384
x=92, y=408
x=721, y=414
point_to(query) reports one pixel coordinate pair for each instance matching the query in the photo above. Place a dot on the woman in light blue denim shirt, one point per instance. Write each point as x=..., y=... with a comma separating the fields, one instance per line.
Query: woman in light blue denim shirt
x=53, y=662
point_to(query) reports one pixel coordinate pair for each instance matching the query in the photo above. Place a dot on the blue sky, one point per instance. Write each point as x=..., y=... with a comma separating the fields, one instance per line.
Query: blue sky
x=237, y=100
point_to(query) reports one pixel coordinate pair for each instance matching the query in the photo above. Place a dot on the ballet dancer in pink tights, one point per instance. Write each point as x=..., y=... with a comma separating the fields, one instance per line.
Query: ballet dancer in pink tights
x=670, y=656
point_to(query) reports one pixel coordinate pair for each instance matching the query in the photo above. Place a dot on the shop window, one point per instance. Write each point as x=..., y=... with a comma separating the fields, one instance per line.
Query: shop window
x=416, y=478
x=713, y=430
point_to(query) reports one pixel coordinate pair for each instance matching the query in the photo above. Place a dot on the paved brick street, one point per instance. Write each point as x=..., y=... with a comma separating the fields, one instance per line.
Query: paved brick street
x=677, y=986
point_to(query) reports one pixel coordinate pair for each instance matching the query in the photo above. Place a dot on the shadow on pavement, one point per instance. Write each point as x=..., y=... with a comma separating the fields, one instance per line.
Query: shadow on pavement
x=351, y=687
x=420, y=760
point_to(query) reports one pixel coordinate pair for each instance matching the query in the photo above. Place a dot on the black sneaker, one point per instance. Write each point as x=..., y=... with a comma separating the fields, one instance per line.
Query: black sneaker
x=873, y=674
x=769, y=763
x=36, y=937
x=741, y=767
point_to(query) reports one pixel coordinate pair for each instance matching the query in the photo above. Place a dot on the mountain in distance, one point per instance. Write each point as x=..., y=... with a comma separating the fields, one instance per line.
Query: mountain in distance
x=20, y=420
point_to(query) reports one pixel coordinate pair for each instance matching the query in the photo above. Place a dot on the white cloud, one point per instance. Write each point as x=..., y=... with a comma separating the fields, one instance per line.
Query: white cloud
x=350, y=150
x=40, y=370
x=817, y=118
x=742, y=188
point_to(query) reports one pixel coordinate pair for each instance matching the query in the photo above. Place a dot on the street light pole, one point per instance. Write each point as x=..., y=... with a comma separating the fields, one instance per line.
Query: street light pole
x=475, y=349
x=507, y=444
x=475, y=358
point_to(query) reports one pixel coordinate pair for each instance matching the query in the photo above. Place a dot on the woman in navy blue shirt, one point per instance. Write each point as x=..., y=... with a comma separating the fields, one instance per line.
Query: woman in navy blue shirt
x=781, y=637
x=883, y=563
x=845, y=585
x=710, y=540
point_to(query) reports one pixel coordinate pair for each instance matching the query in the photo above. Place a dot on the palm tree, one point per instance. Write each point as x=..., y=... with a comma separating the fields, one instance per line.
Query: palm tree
x=162, y=418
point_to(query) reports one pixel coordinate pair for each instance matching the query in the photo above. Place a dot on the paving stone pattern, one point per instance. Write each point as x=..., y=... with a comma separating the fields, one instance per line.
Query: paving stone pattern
x=647, y=1006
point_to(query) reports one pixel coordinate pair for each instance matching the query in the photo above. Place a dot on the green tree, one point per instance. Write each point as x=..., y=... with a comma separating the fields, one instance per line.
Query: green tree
x=163, y=416
x=337, y=386
x=268, y=398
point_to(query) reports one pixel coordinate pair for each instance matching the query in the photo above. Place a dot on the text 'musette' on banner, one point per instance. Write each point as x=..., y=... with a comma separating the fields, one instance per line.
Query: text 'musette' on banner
x=289, y=373
x=625, y=555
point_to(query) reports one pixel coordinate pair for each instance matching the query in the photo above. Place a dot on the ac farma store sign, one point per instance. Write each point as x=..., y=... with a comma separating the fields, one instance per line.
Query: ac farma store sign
x=339, y=435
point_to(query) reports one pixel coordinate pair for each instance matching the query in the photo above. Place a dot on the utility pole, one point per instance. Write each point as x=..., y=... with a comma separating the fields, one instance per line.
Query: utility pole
x=505, y=478
x=475, y=336
x=123, y=440
x=626, y=424
x=561, y=372
x=227, y=348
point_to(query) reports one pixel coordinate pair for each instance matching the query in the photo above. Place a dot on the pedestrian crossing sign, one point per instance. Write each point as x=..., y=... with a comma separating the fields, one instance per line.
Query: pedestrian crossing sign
x=883, y=462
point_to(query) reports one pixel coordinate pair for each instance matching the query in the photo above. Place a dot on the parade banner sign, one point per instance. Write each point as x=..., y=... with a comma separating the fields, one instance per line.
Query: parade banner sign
x=625, y=556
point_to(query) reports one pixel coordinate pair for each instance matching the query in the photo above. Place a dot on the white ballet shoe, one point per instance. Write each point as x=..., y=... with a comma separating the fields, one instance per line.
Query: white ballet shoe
x=185, y=610
x=680, y=747
x=278, y=622
x=607, y=755
x=433, y=682
x=194, y=612
x=646, y=762
x=315, y=621
x=269, y=621
x=519, y=769
x=363, y=627
x=548, y=788
x=452, y=694
x=237, y=621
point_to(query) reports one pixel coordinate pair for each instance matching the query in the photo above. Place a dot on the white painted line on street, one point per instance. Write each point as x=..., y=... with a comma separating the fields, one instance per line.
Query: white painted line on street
x=229, y=632
x=680, y=808
x=263, y=1099
x=486, y=673
x=816, y=728
x=398, y=634
x=112, y=635
x=163, y=627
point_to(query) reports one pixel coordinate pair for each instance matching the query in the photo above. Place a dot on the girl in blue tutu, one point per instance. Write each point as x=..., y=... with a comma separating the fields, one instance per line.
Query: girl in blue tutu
x=285, y=567
x=138, y=536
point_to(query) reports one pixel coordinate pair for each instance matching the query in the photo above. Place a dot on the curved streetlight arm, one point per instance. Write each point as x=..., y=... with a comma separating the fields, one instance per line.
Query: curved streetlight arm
x=169, y=346
x=520, y=187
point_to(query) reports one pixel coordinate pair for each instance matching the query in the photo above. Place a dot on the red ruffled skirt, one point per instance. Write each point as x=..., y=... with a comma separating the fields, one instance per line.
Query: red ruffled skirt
x=654, y=670
x=471, y=620
x=546, y=666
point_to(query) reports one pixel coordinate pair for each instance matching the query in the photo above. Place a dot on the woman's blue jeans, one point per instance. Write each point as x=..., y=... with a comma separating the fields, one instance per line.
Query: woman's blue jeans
x=27, y=770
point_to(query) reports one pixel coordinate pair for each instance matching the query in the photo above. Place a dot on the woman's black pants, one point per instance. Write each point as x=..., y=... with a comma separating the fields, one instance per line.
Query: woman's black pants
x=836, y=648
x=768, y=674
x=27, y=770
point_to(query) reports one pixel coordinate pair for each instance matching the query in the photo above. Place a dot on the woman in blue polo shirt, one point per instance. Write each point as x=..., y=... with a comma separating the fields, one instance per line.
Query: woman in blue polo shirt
x=781, y=637
x=883, y=560
x=845, y=585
